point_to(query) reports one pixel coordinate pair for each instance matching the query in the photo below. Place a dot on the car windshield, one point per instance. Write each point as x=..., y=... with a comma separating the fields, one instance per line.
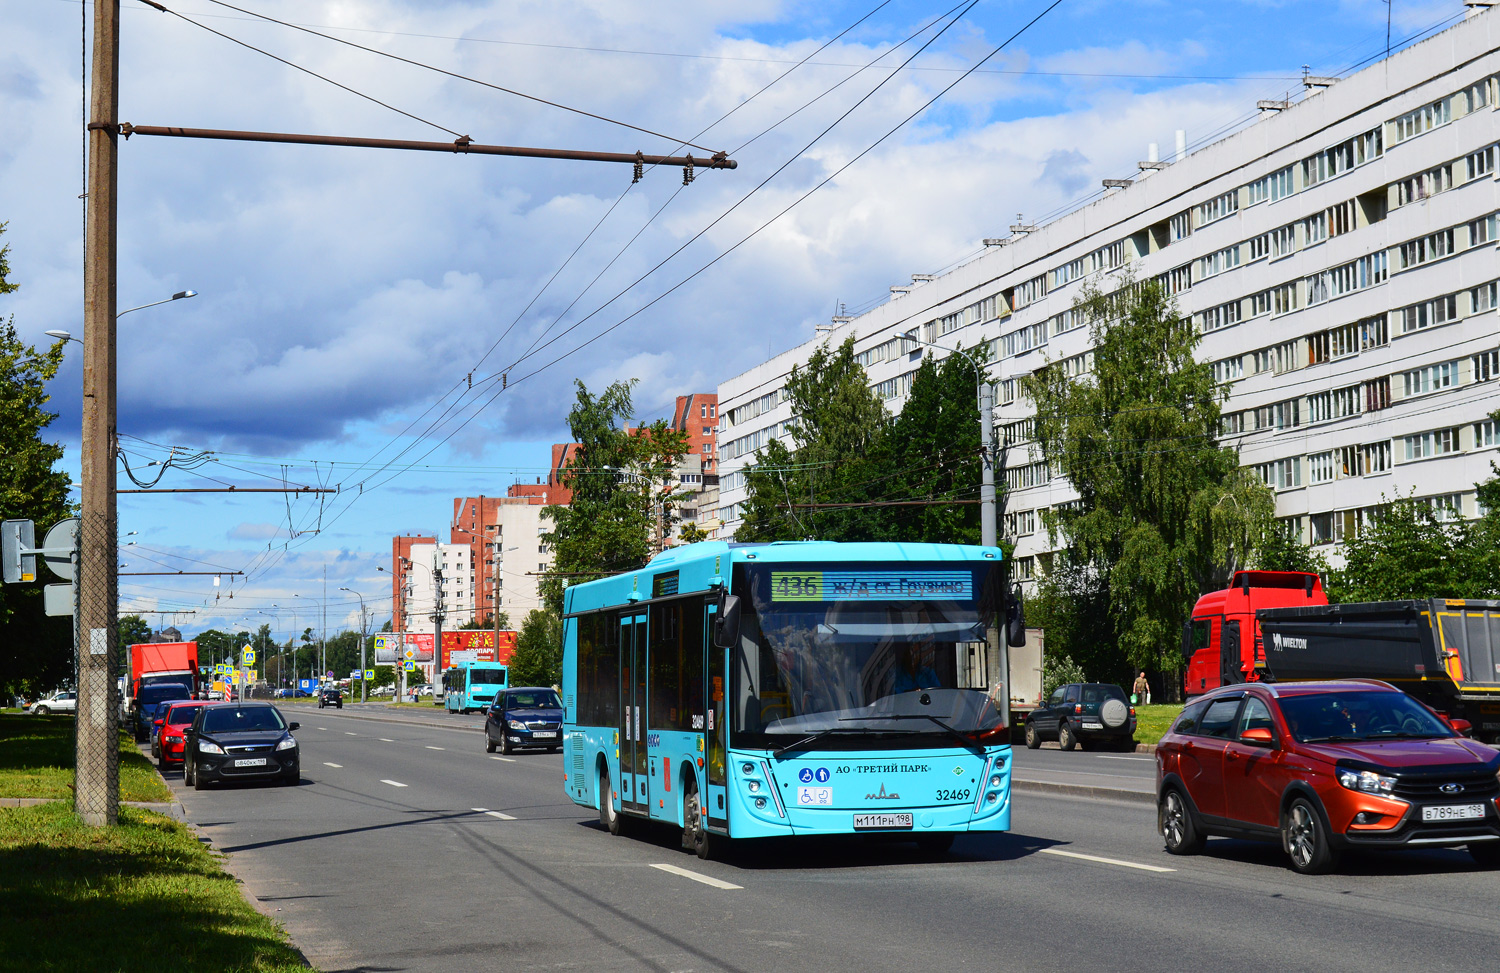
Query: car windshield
x=858, y=651
x=1355, y=715
x=537, y=699
x=151, y=695
x=489, y=675
x=236, y=719
x=181, y=715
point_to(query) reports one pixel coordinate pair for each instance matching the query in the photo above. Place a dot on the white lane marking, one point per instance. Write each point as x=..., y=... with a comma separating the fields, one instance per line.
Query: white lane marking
x=384, y=740
x=348, y=734
x=502, y=817
x=1105, y=861
x=322, y=727
x=706, y=880
x=327, y=764
x=509, y=760
x=1111, y=756
x=437, y=748
x=393, y=783
x=481, y=810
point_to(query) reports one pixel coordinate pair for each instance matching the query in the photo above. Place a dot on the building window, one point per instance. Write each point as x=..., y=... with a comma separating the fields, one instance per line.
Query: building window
x=1482, y=231
x=1424, y=185
x=1376, y=457
x=1229, y=370
x=1067, y=273
x=1219, y=317
x=1429, y=314
x=1029, y=475
x=1282, y=474
x=1218, y=262
x=1315, y=229
x=1439, y=442
x=1374, y=333
x=1477, y=95
x=1277, y=185
x=1024, y=340
x=1480, y=163
x=1031, y=291
x=1320, y=468
x=1424, y=119
x=1334, y=404
x=1284, y=240
x=1231, y=423
x=1431, y=247
x=1486, y=366
x=1021, y=523
x=1447, y=508
x=1178, y=279
x=1433, y=378
x=1279, y=415
x=1068, y=320
x=1324, y=346
x=1181, y=225
x=1340, y=218
x=1259, y=246
x=1218, y=208
x=1284, y=298
x=1107, y=258
x=1483, y=298
x=1486, y=434
x=1008, y=389
x=1378, y=394
x=1015, y=433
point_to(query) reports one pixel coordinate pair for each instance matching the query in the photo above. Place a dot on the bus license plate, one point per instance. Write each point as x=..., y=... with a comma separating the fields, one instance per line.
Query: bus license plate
x=882, y=822
x=1453, y=812
x=545, y=734
x=251, y=762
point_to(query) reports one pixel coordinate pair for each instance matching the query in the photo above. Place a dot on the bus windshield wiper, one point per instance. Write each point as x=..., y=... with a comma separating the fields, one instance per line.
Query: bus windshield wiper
x=813, y=738
x=966, y=742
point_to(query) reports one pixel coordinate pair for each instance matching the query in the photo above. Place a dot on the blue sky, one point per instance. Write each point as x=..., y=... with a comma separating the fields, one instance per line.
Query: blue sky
x=346, y=295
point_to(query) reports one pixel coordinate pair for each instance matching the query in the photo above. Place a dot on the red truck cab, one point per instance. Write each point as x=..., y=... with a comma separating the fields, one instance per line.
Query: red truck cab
x=1222, y=639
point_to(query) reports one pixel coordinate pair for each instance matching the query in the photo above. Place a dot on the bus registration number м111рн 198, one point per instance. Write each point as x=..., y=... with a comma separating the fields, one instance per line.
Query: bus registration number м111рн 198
x=882, y=822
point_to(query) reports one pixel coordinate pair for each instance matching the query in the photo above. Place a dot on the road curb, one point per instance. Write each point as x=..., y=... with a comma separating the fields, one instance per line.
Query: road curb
x=171, y=809
x=1082, y=790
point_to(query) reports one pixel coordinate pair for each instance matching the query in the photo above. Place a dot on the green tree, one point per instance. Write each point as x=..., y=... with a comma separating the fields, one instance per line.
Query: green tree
x=1071, y=605
x=1283, y=550
x=36, y=652
x=836, y=424
x=1407, y=551
x=620, y=493
x=537, y=660
x=1164, y=512
x=692, y=534
x=133, y=630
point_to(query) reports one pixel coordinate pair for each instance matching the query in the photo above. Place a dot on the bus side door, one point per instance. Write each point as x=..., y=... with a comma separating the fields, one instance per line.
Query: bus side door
x=634, y=793
x=716, y=762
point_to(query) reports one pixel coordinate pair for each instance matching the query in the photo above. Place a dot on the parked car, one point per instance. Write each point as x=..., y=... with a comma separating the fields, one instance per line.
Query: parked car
x=168, y=745
x=1323, y=767
x=1083, y=714
x=240, y=741
x=62, y=701
x=527, y=716
x=330, y=696
x=146, y=702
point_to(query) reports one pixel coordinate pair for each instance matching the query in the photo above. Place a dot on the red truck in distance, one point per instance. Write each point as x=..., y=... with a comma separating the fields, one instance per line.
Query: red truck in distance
x=159, y=662
x=1222, y=640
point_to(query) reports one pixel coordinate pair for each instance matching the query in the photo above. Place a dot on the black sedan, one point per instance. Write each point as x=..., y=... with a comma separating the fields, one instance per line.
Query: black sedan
x=1082, y=714
x=529, y=716
x=330, y=696
x=240, y=741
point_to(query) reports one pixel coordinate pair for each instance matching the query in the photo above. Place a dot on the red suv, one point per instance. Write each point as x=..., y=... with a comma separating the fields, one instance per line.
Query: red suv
x=1322, y=767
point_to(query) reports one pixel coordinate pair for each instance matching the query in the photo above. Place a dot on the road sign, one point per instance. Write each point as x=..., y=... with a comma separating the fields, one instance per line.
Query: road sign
x=16, y=536
x=60, y=542
x=247, y=656
x=354, y=674
x=330, y=673
x=411, y=667
x=58, y=599
x=369, y=674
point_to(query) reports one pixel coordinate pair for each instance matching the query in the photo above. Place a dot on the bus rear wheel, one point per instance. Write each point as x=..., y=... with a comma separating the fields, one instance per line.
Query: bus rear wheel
x=695, y=836
x=608, y=816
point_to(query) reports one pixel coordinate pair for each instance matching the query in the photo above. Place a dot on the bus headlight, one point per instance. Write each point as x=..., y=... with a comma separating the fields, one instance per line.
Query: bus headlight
x=753, y=786
x=747, y=768
x=996, y=780
x=760, y=803
x=993, y=798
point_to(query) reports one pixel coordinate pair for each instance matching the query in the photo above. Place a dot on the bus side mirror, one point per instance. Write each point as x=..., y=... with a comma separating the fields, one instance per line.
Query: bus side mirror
x=727, y=622
x=1015, y=619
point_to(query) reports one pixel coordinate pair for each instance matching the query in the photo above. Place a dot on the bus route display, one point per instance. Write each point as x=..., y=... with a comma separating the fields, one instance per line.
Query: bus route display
x=822, y=586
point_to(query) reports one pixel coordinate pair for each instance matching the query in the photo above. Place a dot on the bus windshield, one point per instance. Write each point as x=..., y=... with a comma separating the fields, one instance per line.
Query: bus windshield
x=487, y=675
x=861, y=651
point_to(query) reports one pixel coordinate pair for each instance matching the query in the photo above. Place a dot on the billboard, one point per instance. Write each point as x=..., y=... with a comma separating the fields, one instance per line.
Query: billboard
x=417, y=647
x=387, y=649
x=477, y=645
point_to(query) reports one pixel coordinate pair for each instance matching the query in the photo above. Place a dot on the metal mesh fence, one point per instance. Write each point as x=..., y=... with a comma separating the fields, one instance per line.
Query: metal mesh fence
x=96, y=653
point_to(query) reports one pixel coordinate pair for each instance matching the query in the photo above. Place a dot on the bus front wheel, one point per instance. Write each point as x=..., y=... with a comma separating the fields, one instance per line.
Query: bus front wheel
x=608, y=816
x=695, y=836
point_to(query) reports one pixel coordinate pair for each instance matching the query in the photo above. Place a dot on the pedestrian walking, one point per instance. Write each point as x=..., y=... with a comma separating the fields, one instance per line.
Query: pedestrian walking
x=1141, y=690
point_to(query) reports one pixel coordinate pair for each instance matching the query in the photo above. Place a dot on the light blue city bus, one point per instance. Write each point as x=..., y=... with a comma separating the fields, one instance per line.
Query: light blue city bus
x=809, y=688
x=471, y=685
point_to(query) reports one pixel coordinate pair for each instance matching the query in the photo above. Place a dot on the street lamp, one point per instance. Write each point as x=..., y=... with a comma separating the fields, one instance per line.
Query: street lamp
x=364, y=623
x=986, y=440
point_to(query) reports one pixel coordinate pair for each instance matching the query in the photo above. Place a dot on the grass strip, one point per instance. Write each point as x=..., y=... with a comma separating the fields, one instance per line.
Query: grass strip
x=36, y=760
x=1152, y=721
x=145, y=895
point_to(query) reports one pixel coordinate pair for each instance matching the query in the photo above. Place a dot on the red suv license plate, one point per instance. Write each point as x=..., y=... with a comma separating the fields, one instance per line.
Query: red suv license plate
x=1453, y=812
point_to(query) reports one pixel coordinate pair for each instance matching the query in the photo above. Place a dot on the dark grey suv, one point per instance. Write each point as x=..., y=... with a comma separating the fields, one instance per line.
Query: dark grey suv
x=1083, y=713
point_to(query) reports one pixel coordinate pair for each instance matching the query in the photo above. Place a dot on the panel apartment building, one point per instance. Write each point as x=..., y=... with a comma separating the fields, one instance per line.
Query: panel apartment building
x=1338, y=256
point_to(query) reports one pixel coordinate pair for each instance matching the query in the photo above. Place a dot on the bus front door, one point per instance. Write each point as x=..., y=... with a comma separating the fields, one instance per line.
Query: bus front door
x=634, y=794
x=716, y=731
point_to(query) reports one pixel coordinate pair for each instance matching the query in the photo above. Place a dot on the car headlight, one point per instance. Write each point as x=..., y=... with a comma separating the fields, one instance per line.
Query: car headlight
x=208, y=746
x=516, y=725
x=1366, y=781
x=287, y=743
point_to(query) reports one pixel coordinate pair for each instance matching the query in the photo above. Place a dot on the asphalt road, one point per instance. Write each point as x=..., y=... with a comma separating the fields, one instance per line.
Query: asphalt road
x=406, y=847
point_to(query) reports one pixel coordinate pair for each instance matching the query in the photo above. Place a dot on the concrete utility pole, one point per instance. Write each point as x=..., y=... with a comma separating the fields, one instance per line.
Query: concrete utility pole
x=437, y=612
x=97, y=786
